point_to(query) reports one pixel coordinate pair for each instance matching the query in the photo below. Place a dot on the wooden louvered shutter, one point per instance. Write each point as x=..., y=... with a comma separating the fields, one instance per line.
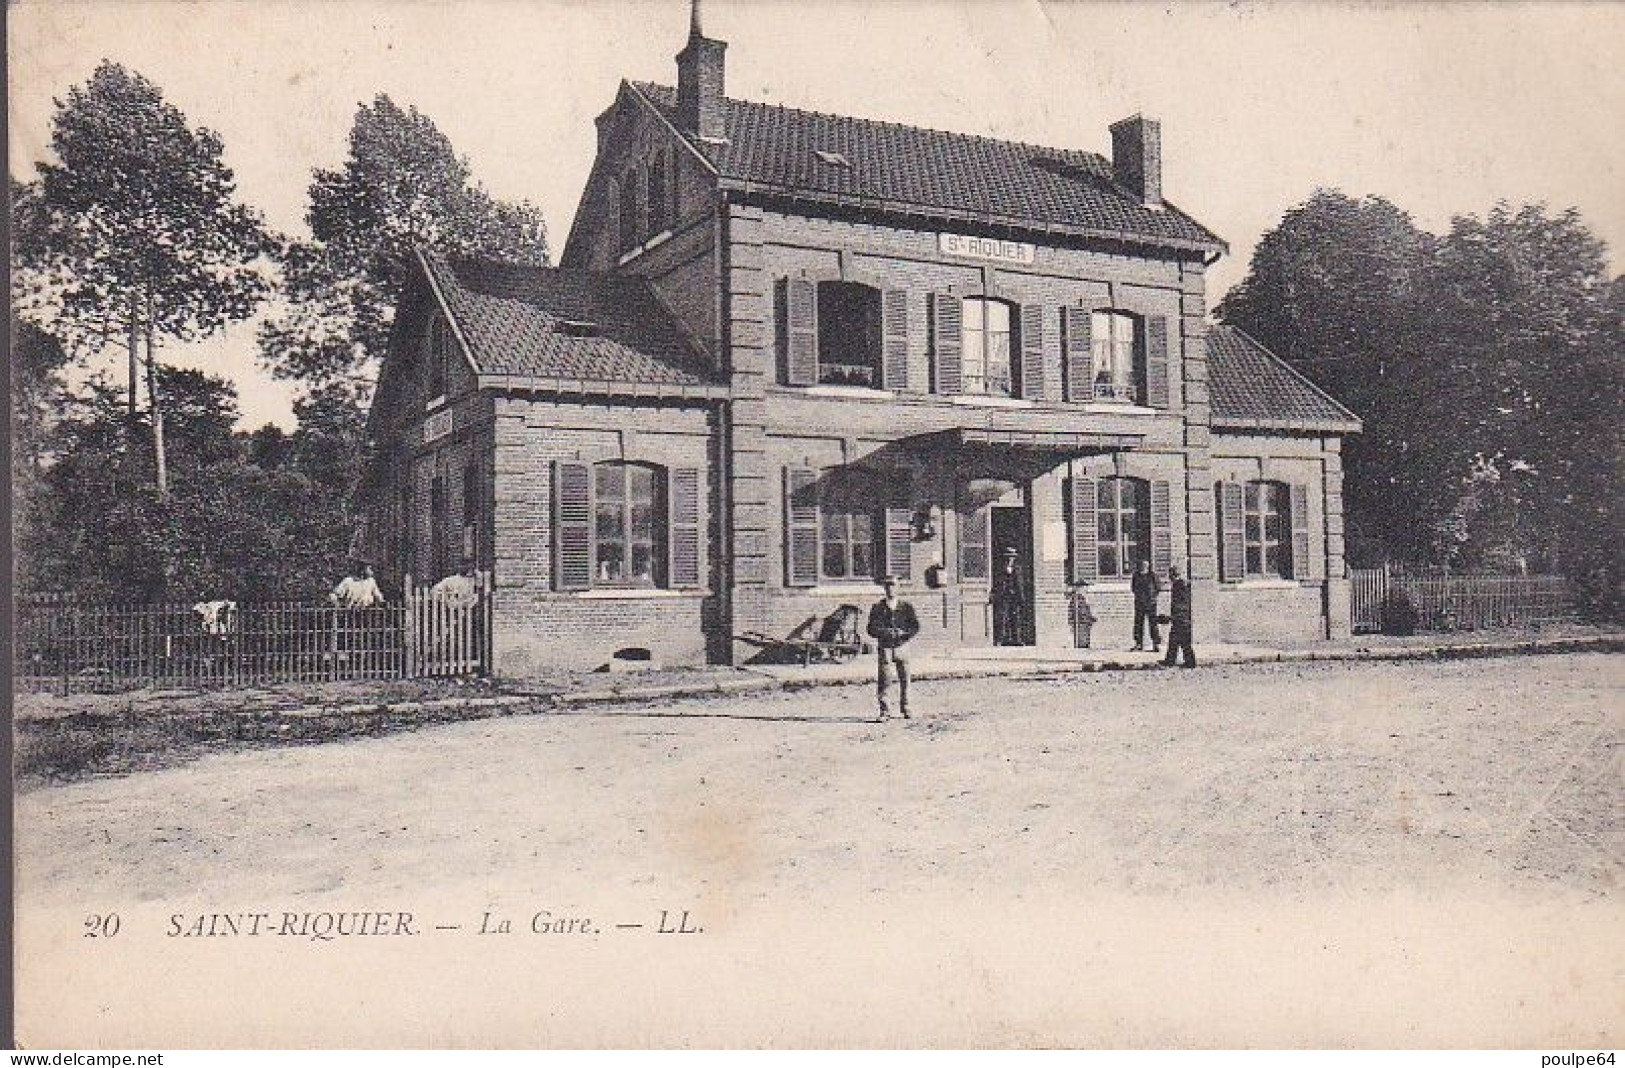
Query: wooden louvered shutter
x=1162, y=549
x=572, y=525
x=1232, y=522
x=900, y=543
x=800, y=526
x=684, y=532
x=800, y=316
x=894, y=339
x=1156, y=361
x=973, y=546
x=1079, y=367
x=1085, y=531
x=948, y=341
x=1303, y=565
x=1032, y=351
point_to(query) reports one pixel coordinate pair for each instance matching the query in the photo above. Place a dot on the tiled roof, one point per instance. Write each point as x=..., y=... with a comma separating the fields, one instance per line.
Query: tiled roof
x=528, y=322
x=908, y=168
x=1250, y=386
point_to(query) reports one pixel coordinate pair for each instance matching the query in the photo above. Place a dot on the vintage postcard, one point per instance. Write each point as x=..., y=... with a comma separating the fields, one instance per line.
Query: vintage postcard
x=709, y=523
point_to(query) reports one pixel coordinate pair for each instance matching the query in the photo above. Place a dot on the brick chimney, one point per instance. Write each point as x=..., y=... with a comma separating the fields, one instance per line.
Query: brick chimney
x=1137, y=158
x=699, y=82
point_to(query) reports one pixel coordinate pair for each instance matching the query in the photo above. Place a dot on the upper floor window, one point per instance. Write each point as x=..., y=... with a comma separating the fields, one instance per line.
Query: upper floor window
x=631, y=216
x=628, y=527
x=659, y=194
x=1112, y=340
x=985, y=366
x=848, y=334
x=1123, y=525
x=1266, y=531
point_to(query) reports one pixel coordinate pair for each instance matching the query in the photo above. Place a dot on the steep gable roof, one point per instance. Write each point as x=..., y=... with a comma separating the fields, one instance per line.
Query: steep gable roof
x=1252, y=388
x=563, y=324
x=868, y=163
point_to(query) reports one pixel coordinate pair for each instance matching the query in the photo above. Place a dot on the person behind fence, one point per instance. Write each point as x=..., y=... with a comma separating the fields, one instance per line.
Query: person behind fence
x=1179, y=619
x=1146, y=587
x=892, y=624
x=358, y=589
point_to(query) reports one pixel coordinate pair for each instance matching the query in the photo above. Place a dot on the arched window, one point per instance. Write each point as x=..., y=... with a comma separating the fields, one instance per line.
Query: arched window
x=986, y=353
x=1123, y=522
x=1112, y=340
x=848, y=334
x=1267, y=530
x=629, y=524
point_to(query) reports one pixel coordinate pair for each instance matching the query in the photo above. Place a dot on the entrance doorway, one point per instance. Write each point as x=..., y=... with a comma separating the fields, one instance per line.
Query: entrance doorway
x=1012, y=587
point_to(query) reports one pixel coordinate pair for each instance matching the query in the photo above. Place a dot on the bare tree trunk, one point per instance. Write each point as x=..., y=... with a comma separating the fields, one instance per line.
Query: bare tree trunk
x=156, y=401
x=134, y=377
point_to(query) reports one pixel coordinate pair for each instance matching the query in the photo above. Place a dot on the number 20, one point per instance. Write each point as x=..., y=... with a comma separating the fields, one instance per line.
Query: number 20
x=101, y=926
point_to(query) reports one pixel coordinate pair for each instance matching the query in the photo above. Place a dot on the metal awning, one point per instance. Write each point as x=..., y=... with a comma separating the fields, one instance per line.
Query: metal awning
x=1073, y=443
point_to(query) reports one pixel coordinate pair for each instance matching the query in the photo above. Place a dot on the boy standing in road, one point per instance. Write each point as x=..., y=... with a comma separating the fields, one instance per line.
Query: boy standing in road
x=892, y=624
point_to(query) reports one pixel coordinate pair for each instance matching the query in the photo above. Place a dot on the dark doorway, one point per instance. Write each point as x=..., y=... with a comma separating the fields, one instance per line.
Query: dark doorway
x=1012, y=587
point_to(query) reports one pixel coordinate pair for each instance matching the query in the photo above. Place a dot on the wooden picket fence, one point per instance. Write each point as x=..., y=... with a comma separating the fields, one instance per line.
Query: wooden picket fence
x=73, y=646
x=1444, y=602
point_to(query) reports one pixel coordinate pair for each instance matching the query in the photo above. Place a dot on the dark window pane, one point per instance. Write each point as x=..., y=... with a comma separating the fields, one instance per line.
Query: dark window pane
x=834, y=560
x=1108, y=560
x=642, y=560
x=1252, y=496
x=1254, y=560
x=863, y=560
x=1108, y=526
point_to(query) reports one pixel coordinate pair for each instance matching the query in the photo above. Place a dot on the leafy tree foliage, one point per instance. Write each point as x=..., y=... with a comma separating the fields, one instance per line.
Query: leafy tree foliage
x=402, y=186
x=1488, y=365
x=134, y=231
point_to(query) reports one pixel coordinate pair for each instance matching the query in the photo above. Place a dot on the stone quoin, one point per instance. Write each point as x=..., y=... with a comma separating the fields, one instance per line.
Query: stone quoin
x=787, y=352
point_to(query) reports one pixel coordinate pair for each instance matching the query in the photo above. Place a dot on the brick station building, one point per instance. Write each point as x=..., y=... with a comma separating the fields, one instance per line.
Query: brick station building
x=786, y=352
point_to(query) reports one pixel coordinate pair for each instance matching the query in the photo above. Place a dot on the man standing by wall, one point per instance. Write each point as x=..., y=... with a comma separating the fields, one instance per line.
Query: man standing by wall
x=1009, y=596
x=1146, y=587
x=1179, y=617
x=892, y=624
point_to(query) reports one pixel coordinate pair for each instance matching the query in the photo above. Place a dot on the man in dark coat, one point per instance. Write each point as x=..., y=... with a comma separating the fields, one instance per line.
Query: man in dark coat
x=892, y=624
x=1146, y=586
x=1179, y=617
x=1009, y=596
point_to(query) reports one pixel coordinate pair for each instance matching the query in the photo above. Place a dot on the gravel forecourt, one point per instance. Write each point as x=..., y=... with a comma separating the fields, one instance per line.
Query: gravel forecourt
x=1348, y=853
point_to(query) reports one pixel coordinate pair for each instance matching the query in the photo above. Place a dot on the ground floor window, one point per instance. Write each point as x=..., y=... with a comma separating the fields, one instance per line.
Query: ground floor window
x=628, y=524
x=1123, y=525
x=1266, y=512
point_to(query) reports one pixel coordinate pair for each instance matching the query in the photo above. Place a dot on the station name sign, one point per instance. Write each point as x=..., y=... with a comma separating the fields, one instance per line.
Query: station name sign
x=985, y=248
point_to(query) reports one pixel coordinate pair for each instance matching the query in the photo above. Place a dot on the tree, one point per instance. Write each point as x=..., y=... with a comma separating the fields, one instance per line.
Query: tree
x=1333, y=289
x=139, y=232
x=403, y=186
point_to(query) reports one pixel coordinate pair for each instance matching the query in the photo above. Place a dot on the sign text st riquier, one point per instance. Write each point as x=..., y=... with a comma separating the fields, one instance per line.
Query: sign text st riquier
x=985, y=248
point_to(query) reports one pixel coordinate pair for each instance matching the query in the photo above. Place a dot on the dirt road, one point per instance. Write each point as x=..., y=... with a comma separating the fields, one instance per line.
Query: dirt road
x=1201, y=821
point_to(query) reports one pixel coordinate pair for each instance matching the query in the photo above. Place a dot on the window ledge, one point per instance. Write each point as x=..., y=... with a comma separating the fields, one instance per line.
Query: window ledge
x=1119, y=408
x=1266, y=584
x=1107, y=586
x=844, y=589
x=636, y=594
x=974, y=400
x=849, y=391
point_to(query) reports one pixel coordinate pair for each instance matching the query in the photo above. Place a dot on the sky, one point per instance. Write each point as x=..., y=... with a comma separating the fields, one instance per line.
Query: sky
x=1442, y=108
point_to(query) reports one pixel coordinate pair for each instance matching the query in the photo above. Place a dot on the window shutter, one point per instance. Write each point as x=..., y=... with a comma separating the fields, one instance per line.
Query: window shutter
x=1162, y=549
x=1085, y=532
x=948, y=341
x=683, y=530
x=1156, y=361
x=1079, y=361
x=1032, y=351
x=973, y=548
x=800, y=526
x=800, y=331
x=572, y=525
x=894, y=339
x=1232, y=547
x=900, y=543
x=1303, y=566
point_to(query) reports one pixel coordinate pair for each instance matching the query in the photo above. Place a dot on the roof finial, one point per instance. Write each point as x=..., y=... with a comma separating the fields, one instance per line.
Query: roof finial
x=695, y=23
